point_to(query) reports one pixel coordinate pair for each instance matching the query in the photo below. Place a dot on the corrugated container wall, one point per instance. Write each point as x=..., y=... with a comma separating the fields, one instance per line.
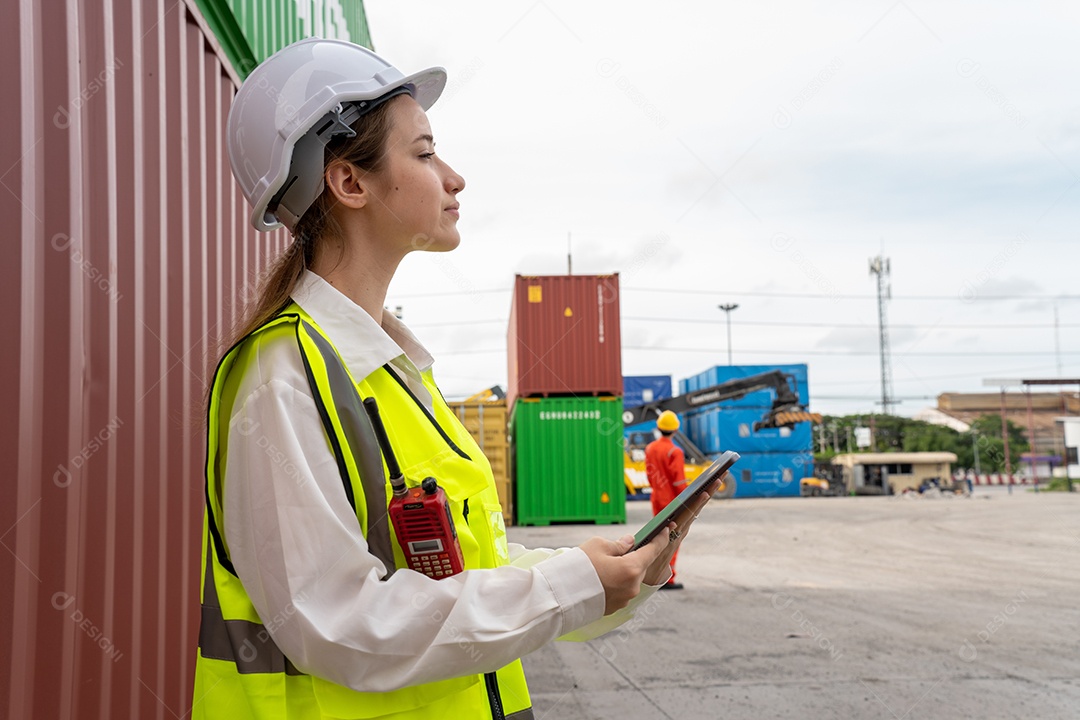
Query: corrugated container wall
x=249, y=31
x=641, y=389
x=132, y=260
x=568, y=460
x=486, y=421
x=564, y=336
x=762, y=475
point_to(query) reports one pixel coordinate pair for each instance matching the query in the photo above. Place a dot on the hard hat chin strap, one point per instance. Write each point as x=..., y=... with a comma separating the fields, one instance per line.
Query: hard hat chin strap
x=305, y=182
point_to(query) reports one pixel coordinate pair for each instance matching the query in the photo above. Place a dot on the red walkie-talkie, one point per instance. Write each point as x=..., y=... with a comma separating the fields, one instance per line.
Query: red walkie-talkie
x=420, y=515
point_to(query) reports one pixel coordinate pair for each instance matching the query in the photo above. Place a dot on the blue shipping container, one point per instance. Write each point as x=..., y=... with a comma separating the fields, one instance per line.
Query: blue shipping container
x=641, y=389
x=762, y=398
x=719, y=430
x=759, y=475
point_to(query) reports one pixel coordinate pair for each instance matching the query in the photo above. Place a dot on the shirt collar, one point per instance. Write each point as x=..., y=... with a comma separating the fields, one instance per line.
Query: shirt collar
x=363, y=344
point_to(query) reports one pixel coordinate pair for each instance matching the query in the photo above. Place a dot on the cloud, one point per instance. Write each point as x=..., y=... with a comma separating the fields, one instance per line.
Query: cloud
x=893, y=146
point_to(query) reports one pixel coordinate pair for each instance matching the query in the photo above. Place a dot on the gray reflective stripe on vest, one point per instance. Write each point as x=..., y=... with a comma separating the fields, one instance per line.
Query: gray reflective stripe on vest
x=248, y=644
x=526, y=714
x=245, y=643
x=363, y=444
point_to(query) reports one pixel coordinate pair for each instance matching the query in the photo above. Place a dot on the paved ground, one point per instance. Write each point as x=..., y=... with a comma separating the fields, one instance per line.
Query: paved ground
x=841, y=608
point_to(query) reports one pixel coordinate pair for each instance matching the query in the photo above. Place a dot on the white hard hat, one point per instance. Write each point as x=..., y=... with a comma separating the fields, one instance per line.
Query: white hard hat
x=292, y=104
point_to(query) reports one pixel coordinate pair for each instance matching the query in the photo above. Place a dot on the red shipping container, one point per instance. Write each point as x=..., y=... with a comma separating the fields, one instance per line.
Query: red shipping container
x=564, y=336
x=128, y=260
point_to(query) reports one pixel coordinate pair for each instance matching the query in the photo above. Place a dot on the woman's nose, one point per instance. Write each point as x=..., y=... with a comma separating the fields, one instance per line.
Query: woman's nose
x=454, y=182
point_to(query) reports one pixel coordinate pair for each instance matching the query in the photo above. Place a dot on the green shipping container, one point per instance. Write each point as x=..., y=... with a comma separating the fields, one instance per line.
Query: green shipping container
x=250, y=31
x=568, y=458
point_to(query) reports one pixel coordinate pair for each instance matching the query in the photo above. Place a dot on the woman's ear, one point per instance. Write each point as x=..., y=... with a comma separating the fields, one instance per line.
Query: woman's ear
x=345, y=181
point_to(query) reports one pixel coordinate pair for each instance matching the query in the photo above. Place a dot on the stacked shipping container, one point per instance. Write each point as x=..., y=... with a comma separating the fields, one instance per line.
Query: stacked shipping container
x=564, y=337
x=774, y=460
x=486, y=422
x=131, y=261
x=565, y=394
x=641, y=389
x=568, y=455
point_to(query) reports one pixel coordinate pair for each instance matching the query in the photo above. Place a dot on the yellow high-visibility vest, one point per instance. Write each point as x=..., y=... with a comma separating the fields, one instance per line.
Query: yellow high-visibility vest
x=240, y=674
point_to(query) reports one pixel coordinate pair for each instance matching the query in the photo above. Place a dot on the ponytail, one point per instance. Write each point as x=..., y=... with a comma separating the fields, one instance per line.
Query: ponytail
x=366, y=151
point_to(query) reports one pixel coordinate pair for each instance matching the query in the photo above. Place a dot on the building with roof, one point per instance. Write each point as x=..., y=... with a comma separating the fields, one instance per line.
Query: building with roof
x=1037, y=414
x=893, y=472
x=1070, y=427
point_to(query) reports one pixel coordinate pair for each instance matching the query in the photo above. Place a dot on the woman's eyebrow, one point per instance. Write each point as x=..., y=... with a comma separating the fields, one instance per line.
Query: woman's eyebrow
x=427, y=138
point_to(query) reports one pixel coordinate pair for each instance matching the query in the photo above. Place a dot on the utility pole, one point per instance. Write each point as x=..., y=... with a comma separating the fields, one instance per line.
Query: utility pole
x=727, y=308
x=1031, y=441
x=569, y=258
x=1057, y=340
x=1004, y=384
x=1005, y=440
x=879, y=266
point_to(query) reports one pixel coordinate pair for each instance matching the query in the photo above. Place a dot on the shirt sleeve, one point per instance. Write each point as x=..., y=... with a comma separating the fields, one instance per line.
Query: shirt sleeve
x=299, y=551
x=520, y=556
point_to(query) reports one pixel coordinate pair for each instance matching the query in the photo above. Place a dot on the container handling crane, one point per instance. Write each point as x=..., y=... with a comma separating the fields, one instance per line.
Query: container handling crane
x=786, y=411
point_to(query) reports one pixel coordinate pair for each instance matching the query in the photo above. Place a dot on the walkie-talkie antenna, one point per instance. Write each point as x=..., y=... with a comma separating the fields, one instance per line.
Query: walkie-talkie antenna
x=397, y=480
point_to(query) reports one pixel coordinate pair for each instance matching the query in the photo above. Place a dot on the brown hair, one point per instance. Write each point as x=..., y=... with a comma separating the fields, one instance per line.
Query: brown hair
x=367, y=152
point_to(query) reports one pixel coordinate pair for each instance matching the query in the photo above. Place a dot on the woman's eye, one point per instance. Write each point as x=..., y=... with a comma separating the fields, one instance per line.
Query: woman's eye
x=427, y=155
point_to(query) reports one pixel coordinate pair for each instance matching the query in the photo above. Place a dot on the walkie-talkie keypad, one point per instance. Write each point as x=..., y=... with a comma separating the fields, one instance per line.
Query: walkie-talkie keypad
x=434, y=565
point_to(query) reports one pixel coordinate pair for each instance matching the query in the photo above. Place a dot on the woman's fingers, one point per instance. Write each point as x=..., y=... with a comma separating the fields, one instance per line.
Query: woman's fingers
x=619, y=570
x=656, y=546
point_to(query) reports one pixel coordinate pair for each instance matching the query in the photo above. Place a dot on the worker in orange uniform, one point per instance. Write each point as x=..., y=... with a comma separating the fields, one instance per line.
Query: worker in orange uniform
x=665, y=468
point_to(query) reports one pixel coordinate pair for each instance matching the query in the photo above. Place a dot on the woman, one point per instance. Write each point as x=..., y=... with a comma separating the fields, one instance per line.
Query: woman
x=306, y=610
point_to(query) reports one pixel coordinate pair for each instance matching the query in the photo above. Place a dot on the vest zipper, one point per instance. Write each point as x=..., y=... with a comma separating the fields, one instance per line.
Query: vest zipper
x=494, y=698
x=427, y=412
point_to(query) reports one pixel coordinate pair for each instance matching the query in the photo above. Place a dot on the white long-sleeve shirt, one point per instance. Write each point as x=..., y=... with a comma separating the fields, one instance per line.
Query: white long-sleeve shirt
x=297, y=547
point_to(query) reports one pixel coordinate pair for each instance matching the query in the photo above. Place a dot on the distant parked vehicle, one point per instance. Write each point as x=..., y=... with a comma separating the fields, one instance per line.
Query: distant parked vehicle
x=827, y=479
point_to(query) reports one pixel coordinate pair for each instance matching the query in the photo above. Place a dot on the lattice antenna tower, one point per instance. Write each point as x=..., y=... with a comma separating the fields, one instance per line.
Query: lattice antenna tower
x=879, y=266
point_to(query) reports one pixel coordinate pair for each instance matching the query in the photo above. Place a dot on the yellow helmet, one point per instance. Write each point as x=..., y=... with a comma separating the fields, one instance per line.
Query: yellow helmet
x=668, y=421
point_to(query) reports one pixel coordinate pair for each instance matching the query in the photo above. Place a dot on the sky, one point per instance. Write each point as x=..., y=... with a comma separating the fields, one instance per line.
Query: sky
x=760, y=154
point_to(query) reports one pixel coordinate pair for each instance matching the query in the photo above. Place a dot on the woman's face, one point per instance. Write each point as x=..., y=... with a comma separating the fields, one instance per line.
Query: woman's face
x=414, y=196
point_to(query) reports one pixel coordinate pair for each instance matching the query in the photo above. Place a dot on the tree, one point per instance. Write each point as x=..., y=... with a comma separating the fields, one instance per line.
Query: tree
x=987, y=429
x=895, y=434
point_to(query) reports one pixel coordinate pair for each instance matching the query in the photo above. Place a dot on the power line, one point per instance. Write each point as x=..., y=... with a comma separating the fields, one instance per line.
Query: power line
x=842, y=296
x=893, y=399
x=778, y=323
x=927, y=378
x=760, y=293
x=863, y=326
x=443, y=294
x=853, y=353
x=458, y=322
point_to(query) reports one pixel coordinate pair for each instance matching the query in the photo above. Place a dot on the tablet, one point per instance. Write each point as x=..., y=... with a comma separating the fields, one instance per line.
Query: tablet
x=662, y=518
